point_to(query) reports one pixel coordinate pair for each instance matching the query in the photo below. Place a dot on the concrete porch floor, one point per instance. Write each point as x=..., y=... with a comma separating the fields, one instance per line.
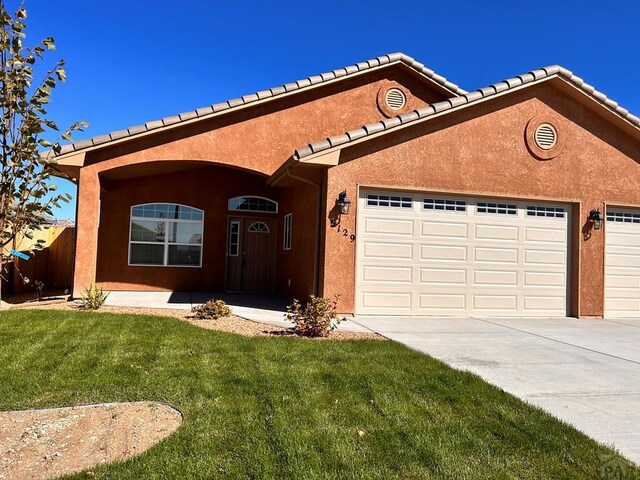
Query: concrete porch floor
x=259, y=307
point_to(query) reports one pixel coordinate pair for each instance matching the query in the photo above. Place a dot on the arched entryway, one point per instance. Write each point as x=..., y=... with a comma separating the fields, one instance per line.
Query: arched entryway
x=136, y=202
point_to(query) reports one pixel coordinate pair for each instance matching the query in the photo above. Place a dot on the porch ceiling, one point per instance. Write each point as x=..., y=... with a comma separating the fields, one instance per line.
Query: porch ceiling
x=161, y=167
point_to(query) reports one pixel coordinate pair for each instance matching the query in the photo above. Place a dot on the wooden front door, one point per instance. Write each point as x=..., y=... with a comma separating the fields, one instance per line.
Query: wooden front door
x=251, y=255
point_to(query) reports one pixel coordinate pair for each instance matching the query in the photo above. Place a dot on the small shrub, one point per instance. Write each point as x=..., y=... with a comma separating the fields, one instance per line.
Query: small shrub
x=93, y=297
x=211, y=310
x=316, y=319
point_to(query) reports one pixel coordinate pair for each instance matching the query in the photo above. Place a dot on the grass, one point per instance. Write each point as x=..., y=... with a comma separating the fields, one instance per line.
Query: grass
x=286, y=407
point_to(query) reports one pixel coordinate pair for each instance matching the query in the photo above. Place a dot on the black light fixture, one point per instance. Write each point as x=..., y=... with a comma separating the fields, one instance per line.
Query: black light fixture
x=343, y=202
x=596, y=219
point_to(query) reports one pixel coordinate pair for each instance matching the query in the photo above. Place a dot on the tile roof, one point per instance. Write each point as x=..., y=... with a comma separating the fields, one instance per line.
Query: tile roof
x=465, y=99
x=272, y=92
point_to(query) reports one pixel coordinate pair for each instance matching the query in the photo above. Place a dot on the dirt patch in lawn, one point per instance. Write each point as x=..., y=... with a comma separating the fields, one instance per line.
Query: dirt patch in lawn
x=231, y=324
x=42, y=444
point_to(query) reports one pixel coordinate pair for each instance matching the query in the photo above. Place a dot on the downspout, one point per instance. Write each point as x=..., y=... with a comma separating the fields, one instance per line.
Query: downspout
x=318, y=186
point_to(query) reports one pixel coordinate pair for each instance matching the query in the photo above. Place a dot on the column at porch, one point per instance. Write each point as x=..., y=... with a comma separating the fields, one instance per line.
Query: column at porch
x=87, y=220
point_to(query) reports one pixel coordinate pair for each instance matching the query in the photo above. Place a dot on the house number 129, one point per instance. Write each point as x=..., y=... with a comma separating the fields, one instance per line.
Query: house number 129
x=352, y=237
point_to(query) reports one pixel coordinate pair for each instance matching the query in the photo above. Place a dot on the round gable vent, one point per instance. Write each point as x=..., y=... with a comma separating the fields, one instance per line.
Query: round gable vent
x=546, y=136
x=395, y=99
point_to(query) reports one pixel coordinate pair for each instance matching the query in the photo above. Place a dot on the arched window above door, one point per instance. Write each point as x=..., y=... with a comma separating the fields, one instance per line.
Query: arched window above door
x=253, y=204
x=259, y=227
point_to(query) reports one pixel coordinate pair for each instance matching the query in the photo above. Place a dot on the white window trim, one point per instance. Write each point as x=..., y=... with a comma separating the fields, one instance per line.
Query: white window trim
x=288, y=232
x=252, y=211
x=237, y=244
x=166, y=242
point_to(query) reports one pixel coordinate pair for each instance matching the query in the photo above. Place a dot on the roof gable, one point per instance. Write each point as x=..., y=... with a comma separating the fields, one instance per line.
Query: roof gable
x=468, y=99
x=437, y=81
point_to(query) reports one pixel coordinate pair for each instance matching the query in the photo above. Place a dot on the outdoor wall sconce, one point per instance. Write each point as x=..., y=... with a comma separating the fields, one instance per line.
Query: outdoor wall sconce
x=343, y=202
x=596, y=219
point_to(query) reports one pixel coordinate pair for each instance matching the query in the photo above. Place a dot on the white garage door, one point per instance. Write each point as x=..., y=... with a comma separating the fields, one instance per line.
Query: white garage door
x=622, y=263
x=422, y=254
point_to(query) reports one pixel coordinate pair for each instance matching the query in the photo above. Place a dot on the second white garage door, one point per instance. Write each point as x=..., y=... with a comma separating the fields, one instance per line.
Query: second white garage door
x=422, y=254
x=622, y=263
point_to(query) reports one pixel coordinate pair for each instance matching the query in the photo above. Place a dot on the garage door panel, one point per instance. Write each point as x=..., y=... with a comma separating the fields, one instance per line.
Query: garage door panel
x=496, y=232
x=623, y=281
x=495, y=278
x=458, y=256
x=496, y=255
x=495, y=302
x=546, y=303
x=545, y=279
x=389, y=226
x=384, y=250
x=628, y=306
x=625, y=236
x=379, y=273
x=623, y=260
x=381, y=299
x=443, y=302
x=545, y=235
x=544, y=257
x=446, y=230
x=443, y=276
x=437, y=253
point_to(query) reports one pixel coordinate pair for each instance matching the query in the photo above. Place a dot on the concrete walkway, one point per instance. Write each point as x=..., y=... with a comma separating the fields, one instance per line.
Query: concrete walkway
x=262, y=308
x=585, y=372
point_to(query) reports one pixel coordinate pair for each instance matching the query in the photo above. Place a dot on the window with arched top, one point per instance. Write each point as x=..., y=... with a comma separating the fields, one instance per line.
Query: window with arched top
x=253, y=204
x=165, y=234
x=259, y=227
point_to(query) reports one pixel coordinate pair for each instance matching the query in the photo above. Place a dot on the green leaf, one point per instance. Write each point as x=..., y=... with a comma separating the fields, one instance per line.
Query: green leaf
x=21, y=13
x=61, y=74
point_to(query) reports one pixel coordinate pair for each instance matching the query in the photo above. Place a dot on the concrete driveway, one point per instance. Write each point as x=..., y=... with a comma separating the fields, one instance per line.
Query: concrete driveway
x=585, y=372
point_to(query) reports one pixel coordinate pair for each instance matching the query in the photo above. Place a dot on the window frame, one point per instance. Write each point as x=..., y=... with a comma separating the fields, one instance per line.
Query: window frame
x=509, y=209
x=449, y=205
x=237, y=243
x=404, y=201
x=236, y=210
x=166, y=244
x=287, y=238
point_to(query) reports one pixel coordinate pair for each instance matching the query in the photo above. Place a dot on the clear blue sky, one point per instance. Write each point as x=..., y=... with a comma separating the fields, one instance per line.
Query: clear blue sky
x=129, y=62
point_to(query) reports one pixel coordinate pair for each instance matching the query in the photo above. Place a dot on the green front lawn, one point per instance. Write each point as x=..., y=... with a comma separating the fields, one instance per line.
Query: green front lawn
x=285, y=407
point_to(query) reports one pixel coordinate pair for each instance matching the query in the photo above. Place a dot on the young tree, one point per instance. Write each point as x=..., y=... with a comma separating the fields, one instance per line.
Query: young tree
x=27, y=193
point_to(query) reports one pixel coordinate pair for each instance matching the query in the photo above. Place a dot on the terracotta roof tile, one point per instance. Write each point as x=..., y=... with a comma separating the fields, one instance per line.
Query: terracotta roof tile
x=119, y=134
x=171, y=120
x=188, y=115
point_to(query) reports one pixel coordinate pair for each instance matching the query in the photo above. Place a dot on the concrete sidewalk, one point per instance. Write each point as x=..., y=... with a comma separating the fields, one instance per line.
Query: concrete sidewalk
x=262, y=308
x=585, y=372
